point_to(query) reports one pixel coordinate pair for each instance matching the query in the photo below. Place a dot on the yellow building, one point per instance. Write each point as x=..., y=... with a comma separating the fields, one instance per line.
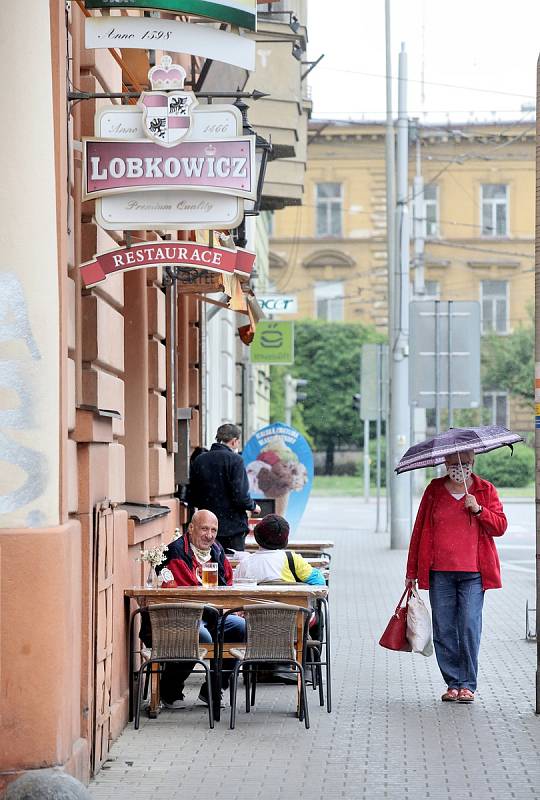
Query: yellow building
x=479, y=227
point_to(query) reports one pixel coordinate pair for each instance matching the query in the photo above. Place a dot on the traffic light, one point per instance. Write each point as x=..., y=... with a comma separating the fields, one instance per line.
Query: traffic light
x=292, y=395
x=357, y=401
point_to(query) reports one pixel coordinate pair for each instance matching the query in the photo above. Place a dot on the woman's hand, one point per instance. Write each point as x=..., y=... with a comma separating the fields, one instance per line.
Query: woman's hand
x=410, y=583
x=471, y=503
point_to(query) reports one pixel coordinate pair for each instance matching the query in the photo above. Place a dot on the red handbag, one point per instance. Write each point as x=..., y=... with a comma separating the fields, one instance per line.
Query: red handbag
x=395, y=635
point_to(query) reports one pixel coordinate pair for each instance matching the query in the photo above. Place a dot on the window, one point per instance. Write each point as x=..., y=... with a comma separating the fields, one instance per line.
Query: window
x=494, y=209
x=329, y=301
x=329, y=209
x=433, y=289
x=496, y=407
x=431, y=201
x=494, y=299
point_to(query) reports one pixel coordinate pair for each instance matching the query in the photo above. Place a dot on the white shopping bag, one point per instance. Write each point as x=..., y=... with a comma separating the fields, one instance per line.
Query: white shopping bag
x=419, y=626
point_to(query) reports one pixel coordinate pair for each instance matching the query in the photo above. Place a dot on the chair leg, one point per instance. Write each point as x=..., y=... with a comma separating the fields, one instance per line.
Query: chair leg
x=138, y=698
x=247, y=674
x=210, y=695
x=321, y=689
x=304, y=696
x=253, y=684
x=234, y=687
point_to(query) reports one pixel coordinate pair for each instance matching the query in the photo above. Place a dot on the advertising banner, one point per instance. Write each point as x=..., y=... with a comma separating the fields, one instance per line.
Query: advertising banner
x=242, y=13
x=279, y=303
x=273, y=343
x=279, y=465
x=170, y=34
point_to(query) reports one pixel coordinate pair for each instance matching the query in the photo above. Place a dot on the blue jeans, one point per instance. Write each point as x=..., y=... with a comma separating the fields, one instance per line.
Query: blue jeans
x=456, y=600
x=174, y=675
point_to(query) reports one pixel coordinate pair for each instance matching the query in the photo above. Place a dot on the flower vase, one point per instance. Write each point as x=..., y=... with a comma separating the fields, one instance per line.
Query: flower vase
x=152, y=578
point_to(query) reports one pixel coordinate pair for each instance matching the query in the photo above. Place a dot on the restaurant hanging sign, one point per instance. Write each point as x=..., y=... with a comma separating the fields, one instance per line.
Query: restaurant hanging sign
x=179, y=37
x=241, y=13
x=168, y=253
x=167, y=163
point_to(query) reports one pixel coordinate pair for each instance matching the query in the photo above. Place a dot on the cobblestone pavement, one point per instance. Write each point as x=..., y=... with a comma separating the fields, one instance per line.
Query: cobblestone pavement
x=389, y=736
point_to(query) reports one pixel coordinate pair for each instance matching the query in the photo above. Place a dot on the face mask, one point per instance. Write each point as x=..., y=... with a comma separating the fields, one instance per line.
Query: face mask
x=457, y=473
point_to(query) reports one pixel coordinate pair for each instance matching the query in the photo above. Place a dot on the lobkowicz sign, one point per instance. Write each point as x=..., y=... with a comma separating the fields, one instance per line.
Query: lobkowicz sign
x=166, y=166
x=173, y=177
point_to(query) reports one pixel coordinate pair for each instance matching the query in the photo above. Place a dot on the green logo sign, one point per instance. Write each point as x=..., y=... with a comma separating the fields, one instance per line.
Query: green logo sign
x=238, y=12
x=273, y=343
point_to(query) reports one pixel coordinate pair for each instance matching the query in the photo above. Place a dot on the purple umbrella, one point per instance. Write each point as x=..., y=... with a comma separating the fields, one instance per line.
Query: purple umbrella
x=433, y=451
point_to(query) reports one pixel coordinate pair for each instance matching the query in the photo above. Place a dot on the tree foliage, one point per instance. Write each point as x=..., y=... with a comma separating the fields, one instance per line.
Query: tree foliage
x=508, y=362
x=328, y=355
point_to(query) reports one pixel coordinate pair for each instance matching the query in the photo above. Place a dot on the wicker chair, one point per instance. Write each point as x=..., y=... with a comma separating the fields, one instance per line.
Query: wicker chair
x=175, y=638
x=271, y=632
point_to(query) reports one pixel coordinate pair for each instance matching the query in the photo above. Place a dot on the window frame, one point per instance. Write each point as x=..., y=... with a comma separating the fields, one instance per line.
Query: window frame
x=494, y=330
x=340, y=298
x=328, y=202
x=494, y=203
x=434, y=202
x=493, y=395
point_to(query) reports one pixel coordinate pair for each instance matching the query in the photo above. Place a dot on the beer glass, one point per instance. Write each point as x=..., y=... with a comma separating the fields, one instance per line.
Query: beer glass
x=210, y=574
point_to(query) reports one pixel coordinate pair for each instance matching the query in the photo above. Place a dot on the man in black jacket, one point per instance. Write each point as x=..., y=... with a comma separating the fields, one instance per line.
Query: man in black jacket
x=219, y=483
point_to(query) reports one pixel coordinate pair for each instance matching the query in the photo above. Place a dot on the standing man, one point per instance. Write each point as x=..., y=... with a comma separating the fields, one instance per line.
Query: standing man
x=218, y=482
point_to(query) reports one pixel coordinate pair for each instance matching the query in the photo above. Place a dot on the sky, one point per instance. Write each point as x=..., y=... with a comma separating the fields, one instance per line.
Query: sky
x=467, y=59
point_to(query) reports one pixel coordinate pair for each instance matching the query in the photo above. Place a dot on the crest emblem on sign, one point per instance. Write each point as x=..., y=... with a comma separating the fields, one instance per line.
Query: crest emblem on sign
x=167, y=108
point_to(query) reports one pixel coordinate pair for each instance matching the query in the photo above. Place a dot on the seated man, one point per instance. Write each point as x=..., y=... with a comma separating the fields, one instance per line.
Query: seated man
x=272, y=561
x=185, y=557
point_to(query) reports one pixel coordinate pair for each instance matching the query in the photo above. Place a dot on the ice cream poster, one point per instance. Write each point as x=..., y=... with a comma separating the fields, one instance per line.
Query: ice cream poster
x=279, y=465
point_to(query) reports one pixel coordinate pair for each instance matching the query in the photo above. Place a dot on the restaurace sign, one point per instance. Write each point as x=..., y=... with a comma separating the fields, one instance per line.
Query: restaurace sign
x=242, y=13
x=155, y=254
x=165, y=164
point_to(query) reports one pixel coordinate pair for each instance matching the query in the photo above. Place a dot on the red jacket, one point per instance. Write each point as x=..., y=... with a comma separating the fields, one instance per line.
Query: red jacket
x=492, y=522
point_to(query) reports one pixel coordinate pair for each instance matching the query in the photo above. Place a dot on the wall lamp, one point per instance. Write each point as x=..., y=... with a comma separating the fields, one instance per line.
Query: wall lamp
x=263, y=152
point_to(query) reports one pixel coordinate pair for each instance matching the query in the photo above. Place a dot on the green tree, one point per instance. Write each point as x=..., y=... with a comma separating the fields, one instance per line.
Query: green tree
x=328, y=355
x=508, y=362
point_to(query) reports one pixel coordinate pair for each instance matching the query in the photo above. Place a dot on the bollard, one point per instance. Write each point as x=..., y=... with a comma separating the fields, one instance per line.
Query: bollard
x=46, y=784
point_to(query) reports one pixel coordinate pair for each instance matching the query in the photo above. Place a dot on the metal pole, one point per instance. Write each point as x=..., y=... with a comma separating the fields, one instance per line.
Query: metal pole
x=537, y=400
x=366, y=460
x=400, y=526
x=450, y=408
x=437, y=368
x=378, y=434
x=390, y=233
x=419, y=225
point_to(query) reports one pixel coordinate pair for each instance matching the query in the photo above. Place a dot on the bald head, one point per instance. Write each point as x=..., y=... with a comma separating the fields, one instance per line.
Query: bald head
x=203, y=529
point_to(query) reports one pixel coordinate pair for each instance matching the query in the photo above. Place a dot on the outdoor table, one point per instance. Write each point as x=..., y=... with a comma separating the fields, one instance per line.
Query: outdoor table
x=223, y=598
x=314, y=546
x=320, y=562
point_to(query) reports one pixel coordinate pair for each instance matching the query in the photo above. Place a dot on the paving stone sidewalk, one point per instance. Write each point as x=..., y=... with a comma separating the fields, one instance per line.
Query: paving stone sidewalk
x=389, y=736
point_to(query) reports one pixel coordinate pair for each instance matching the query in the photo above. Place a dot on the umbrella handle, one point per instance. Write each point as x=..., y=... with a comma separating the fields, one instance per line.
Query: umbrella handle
x=463, y=475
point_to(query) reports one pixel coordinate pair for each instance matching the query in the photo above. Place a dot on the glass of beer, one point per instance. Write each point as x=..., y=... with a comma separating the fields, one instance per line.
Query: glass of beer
x=210, y=574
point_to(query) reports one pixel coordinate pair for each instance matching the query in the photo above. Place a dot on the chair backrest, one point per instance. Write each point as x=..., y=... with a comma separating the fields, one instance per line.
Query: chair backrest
x=175, y=629
x=271, y=631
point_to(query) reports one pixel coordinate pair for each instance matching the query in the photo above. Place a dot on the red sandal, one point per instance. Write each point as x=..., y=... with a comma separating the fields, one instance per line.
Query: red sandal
x=465, y=696
x=450, y=696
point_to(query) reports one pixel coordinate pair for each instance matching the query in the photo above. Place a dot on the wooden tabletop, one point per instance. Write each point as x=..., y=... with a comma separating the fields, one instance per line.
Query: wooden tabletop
x=225, y=596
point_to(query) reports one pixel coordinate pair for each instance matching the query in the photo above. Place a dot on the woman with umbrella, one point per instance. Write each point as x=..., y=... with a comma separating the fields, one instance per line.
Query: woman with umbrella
x=452, y=552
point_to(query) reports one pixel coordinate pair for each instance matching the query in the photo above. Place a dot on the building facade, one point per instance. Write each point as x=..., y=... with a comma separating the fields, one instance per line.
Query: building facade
x=104, y=390
x=478, y=228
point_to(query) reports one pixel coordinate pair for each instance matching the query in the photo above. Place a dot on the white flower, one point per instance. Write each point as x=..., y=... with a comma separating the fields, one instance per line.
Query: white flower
x=154, y=556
